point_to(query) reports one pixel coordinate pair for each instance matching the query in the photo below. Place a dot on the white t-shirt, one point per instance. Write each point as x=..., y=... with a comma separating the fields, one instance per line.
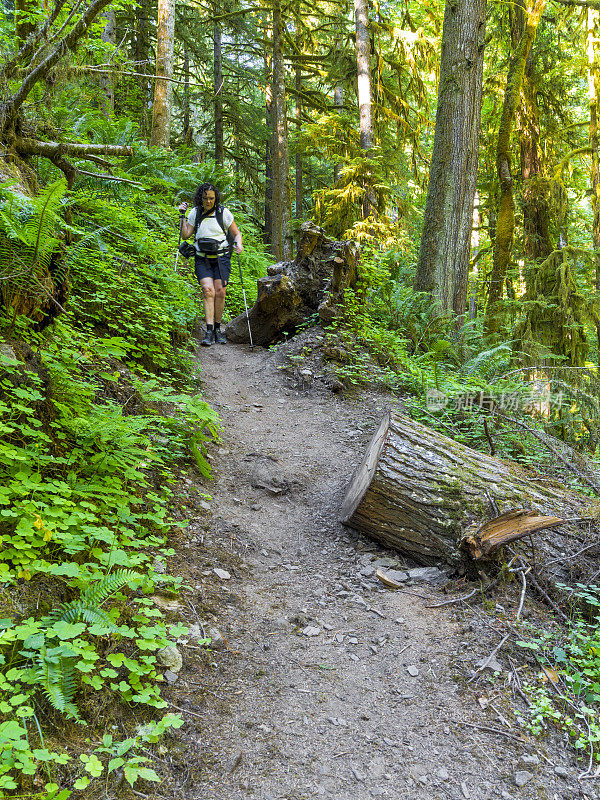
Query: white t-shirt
x=209, y=228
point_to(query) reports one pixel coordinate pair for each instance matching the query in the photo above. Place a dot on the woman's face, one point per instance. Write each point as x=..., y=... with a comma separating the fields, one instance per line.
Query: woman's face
x=208, y=200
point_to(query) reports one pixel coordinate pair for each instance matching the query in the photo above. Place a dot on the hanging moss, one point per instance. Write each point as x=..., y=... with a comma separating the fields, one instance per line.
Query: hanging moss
x=555, y=311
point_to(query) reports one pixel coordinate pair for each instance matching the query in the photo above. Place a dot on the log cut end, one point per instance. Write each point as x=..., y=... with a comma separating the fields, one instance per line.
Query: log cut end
x=364, y=474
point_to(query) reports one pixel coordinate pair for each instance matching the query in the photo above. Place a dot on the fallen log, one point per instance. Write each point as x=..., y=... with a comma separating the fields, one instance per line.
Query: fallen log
x=417, y=492
x=293, y=291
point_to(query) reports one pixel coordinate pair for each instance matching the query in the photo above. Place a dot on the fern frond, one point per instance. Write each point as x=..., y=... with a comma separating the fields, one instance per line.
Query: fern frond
x=97, y=593
x=56, y=677
x=87, y=607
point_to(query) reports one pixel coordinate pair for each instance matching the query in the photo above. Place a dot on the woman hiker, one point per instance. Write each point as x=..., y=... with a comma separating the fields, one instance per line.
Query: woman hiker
x=214, y=230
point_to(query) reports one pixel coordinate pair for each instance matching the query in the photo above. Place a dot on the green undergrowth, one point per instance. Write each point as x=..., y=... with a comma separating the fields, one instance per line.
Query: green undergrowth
x=564, y=689
x=454, y=381
x=101, y=412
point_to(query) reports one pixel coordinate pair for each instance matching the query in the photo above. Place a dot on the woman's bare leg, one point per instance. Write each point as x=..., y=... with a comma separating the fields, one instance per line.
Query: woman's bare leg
x=208, y=291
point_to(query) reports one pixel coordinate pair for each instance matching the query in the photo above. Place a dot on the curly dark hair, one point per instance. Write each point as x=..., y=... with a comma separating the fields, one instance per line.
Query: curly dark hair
x=201, y=191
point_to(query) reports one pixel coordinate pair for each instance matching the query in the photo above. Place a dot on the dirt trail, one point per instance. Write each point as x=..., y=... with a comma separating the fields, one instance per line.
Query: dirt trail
x=331, y=686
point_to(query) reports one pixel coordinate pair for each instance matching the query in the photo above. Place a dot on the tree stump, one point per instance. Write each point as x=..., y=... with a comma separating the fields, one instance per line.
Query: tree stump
x=417, y=492
x=293, y=291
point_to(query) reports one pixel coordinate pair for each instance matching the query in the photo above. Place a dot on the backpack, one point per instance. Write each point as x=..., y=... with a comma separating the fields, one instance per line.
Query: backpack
x=219, y=217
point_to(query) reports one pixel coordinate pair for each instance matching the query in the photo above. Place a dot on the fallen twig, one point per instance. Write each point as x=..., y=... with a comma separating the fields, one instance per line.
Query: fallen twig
x=489, y=658
x=186, y=711
x=454, y=600
x=522, y=573
x=489, y=729
x=547, y=598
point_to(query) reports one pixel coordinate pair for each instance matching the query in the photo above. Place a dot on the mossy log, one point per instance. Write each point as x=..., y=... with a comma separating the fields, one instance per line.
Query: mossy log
x=418, y=492
x=293, y=291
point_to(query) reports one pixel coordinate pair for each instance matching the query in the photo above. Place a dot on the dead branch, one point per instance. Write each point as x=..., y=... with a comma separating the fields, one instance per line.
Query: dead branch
x=489, y=658
x=109, y=177
x=547, y=598
x=554, y=450
x=454, y=600
x=489, y=729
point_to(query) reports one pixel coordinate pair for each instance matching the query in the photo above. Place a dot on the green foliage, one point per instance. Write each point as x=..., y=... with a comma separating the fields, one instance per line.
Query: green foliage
x=570, y=661
x=99, y=413
x=29, y=241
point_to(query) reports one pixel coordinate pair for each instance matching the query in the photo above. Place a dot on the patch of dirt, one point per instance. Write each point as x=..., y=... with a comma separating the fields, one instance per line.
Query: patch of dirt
x=327, y=685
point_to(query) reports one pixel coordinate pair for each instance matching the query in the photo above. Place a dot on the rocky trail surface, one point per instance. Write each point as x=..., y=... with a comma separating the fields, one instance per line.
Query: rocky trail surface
x=325, y=684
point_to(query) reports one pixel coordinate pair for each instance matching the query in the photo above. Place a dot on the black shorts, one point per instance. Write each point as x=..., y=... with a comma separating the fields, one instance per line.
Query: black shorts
x=219, y=268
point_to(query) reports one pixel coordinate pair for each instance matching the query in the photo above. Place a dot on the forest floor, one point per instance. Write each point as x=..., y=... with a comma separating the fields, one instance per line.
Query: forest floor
x=327, y=685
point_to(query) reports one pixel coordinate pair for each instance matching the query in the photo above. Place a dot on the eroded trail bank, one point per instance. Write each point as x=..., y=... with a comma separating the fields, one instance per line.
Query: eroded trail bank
x=329, y=685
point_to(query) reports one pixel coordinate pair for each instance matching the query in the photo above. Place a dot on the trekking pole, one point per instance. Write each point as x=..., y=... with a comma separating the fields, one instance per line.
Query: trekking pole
x=181, y=218
x=245, y=303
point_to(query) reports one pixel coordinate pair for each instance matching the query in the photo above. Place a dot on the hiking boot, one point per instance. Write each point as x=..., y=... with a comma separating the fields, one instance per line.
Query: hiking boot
x=220, y=337
x=209, y=338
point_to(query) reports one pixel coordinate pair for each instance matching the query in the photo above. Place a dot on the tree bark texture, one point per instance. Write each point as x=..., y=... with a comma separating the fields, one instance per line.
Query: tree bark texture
x=417, y=492
x=268, y=67
x=163, y=89
x=338, y=102
x=299, y=166
x=593, y=53
x=107, y=79
x=314, y=282
x=444, y=256
x=142, y=56
x=281, y=246
x=218, y=88
x=24, y=25
x=536, y=190
x=505, y=224
x=187, y=129
x=364, y=92
x=363, y=65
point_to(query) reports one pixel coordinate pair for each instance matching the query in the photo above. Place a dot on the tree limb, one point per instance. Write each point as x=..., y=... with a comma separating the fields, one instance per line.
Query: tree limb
x=8, y=69
x=118, y=71
x=108, y=177
x=68, y=42
x=33, y=147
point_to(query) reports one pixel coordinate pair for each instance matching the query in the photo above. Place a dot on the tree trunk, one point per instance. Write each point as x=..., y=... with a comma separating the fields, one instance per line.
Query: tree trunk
x=187, y=129
x=363, y=65
x=505, y=224
x=417, y=492
x=593, y=94
x=268, y=66
x=365, y=98
x=142, y=56
x=218, y=88
x=298, y=120
x=293, y=291
x=24, y=25
x=107, y=79
x=338, y=102
x=281, y=246
x=163, y=89
x=444, y=256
